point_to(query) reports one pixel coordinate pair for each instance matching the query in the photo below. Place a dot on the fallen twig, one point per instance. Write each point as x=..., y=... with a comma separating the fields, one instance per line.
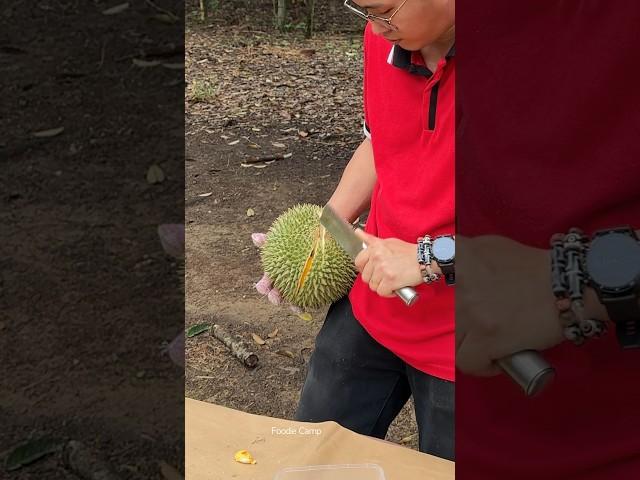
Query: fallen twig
x=162, y=10
x=267, y=158
x=238, y=350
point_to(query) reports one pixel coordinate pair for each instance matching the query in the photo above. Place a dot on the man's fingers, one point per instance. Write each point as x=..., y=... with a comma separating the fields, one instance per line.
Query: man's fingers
x=384, y=290
x=274, y=297
x=362, y=259
x=172, y=238
x=264, y=285
x=259, y=239
x=367, y=272
x=176, y=350
x=376, y=280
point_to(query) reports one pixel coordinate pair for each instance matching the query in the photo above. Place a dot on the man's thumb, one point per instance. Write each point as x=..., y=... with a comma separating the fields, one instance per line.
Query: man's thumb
x=365, y=237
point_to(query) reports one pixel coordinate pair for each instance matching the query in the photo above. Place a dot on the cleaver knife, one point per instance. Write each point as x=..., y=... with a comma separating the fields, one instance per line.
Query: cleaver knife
x=347, y=239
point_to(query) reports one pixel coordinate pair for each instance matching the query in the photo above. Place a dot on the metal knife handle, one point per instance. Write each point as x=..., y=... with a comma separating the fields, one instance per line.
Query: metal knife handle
x=408, y=295
x=529, y=370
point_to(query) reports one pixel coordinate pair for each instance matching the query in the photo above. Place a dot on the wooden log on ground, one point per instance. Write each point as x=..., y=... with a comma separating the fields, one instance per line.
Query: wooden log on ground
x=248, y=358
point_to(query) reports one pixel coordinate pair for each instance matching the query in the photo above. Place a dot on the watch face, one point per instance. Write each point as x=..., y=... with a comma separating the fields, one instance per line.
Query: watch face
x=613, y=262
x=444, y=249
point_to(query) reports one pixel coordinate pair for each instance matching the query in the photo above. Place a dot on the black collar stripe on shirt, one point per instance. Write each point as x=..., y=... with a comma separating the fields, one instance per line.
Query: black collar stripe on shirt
x=433, y=103
x=401, y=58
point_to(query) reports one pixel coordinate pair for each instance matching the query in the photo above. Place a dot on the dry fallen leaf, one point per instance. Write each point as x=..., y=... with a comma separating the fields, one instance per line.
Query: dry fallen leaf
x=258, y=339
x=174, y=66
x=285, y=353
x=164, y=18
x=155, y=174
x=145, y=63
x=250, y=212
x=255, y=165
x=49, y=133
x=243, y=456
x=303, y=134
x=290, y=370
x=117, y=9
x=409, y=438
x=305, y=316
x=273, y=334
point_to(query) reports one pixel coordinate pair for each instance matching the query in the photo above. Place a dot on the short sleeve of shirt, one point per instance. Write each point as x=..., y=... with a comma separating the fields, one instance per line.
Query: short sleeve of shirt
x=366, y=125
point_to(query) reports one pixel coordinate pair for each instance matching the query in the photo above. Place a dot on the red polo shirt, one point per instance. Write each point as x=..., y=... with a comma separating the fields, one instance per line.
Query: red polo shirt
x=549, y=139
x=409, y=112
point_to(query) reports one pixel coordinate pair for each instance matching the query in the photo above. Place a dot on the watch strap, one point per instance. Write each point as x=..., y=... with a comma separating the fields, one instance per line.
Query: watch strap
x=448, y=272
x=625, y=312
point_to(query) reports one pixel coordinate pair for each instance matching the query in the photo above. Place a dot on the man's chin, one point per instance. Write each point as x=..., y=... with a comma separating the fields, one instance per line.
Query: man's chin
x=408, y=45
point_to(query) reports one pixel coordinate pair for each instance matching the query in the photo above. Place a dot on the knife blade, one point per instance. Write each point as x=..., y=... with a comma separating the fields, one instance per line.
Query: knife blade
x=349, y=241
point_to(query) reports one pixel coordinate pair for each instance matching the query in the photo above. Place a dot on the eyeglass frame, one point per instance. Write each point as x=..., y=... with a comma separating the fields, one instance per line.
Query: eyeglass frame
x=369, y=17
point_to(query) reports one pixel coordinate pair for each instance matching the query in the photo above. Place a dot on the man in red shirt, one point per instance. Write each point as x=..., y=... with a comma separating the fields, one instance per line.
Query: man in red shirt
x=373, y=352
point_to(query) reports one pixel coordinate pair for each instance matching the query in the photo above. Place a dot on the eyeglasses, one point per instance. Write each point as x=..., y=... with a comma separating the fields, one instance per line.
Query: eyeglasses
x=362, y=13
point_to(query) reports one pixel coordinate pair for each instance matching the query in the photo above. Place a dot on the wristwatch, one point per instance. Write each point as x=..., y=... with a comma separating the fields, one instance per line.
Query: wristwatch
x=443, y=251
x=613, y=270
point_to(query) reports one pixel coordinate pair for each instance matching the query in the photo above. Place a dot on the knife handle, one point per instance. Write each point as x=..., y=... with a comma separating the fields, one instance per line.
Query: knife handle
x=529, y=370
x=408, y=295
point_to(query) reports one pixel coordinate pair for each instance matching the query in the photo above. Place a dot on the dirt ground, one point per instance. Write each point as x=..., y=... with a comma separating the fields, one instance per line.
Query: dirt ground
x=250, y=95
x=88, y=299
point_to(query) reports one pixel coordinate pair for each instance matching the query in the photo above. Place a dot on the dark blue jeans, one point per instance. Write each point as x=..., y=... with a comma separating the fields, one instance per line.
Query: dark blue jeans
x=358, y=383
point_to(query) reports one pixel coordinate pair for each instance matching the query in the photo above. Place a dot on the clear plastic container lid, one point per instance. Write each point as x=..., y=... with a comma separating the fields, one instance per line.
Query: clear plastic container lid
x=368, y=471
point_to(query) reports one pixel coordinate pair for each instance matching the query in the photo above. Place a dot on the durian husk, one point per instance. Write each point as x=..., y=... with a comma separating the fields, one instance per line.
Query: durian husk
x=304, y=261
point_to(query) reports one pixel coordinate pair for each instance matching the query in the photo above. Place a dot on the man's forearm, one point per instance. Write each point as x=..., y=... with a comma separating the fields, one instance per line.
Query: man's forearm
x=352, y=196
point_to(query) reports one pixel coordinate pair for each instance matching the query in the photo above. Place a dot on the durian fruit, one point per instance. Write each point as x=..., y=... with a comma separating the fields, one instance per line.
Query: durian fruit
x=304, y=261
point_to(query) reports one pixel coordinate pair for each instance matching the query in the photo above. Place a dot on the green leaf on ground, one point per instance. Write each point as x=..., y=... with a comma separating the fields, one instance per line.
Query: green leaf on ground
x=194, y=330
x=31, y=451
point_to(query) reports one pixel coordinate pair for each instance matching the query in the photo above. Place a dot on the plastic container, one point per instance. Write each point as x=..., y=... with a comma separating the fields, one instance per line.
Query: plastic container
x=368, y=471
